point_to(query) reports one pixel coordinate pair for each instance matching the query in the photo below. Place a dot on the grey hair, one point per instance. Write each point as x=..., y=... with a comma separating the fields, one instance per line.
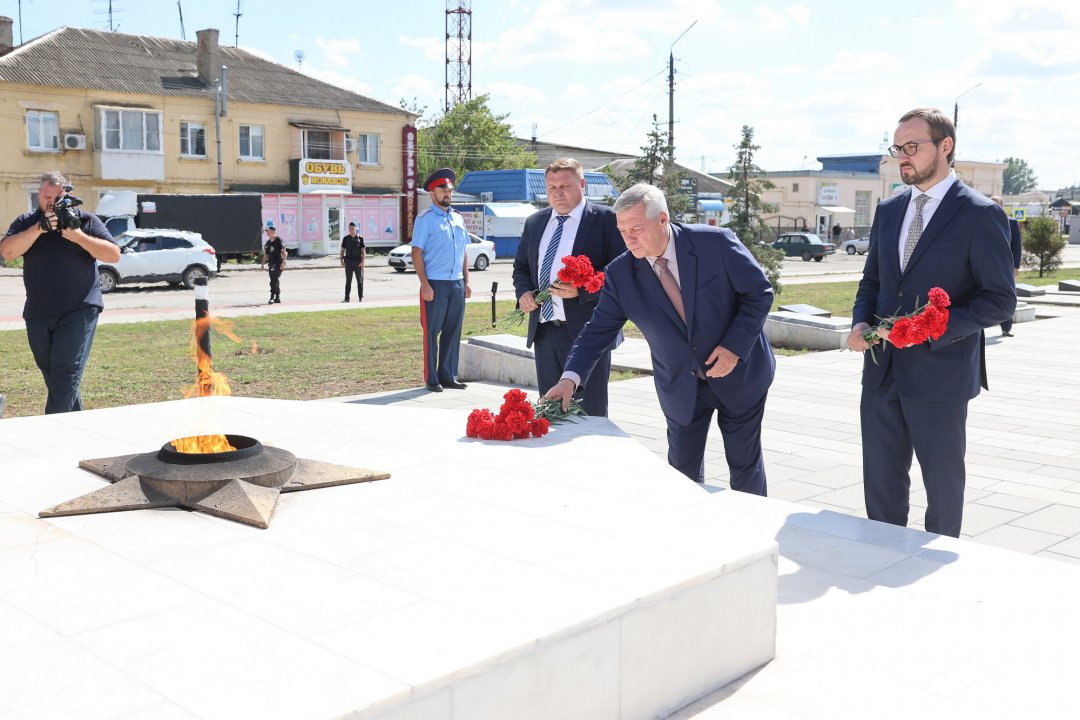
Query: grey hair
x=54, y=177
x=650, y=196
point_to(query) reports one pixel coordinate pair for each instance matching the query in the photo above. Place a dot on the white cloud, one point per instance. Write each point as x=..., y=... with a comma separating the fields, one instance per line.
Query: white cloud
x=513, y=91
x=799, y=13
x=338, y=52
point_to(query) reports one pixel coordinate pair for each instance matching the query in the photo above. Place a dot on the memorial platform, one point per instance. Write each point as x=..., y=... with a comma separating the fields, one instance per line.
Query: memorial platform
x=569, y=576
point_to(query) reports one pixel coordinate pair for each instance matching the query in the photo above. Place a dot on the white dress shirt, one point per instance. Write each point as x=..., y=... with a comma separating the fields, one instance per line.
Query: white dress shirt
x=936, y=193
x=566, y=247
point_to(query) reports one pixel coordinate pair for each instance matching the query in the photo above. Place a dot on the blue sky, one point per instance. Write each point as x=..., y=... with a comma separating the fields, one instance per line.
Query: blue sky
x=811, y=78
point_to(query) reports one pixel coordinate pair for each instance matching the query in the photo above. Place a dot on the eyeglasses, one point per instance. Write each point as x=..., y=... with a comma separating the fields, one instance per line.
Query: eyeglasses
x=911, y=148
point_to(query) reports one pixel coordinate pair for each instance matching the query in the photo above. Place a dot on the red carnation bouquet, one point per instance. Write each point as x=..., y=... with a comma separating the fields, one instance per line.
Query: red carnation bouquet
x=577, y=271
x=926, y=322
x=518, y=418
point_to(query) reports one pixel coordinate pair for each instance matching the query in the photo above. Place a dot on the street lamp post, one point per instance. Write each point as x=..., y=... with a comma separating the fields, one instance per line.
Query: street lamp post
x=956, y=105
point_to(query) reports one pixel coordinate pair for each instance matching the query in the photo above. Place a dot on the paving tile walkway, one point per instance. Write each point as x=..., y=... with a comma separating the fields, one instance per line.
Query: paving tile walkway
x=1023, y=455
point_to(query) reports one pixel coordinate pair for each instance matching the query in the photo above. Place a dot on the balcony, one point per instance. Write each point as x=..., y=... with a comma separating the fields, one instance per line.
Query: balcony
x=120, y=165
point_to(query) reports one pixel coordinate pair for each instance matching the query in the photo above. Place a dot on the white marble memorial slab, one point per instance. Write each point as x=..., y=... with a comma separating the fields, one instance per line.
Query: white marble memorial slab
x=570, y=576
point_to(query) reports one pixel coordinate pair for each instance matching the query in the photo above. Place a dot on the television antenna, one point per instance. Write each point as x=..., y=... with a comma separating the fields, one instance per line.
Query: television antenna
x=236, y=41
x=181, y=11
x=299, y=55
x=109, y=11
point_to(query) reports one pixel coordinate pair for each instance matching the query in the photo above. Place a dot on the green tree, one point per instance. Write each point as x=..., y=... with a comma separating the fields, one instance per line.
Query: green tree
x=469, y=136
x=653, y=168
x=749, y=182
x=1043, y=244
x=1019, y=177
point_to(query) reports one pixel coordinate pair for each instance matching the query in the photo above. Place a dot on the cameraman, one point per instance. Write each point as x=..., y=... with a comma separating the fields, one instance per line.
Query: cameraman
x=63, y=298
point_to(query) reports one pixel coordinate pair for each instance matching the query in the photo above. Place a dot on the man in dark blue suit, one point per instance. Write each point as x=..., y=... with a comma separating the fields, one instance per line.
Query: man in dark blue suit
x=701, y=301
x=938, y=234
x=571, y=226
x=1016, y=245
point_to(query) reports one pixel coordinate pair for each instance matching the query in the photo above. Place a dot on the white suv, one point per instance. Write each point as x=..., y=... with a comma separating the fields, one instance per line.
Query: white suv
x=158, y=255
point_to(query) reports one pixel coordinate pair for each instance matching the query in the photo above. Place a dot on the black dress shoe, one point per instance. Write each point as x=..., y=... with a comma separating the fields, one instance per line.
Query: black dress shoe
x=435, y=388
x=345, y=300
x=1006, y=334
x=454, y=384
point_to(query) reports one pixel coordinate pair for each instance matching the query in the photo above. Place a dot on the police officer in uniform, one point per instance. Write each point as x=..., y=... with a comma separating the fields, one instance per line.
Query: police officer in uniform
x=352, y=259
x=274, y=255
x=438, y=255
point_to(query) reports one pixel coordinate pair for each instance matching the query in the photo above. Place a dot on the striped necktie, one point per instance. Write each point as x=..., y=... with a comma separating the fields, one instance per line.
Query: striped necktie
x=915, y=230
x=547, y=310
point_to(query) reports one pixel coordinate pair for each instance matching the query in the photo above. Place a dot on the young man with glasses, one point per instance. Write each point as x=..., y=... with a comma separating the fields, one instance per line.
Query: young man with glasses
x=940, y=233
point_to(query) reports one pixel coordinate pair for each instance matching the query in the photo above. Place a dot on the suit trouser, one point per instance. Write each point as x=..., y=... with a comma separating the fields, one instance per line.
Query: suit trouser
x=894, y=427
x=742, y=441
x=441, y=318
x=61, y=346
x=354, y=268
x=551, y=346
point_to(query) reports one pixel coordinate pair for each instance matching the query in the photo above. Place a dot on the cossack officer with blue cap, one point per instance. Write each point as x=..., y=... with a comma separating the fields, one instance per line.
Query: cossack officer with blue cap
x=438, y=255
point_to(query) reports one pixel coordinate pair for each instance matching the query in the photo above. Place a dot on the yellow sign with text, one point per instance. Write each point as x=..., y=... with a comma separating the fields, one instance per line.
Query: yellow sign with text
x=324, y=176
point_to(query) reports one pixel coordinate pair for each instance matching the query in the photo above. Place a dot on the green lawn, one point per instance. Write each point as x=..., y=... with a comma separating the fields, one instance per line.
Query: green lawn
x=295, y=356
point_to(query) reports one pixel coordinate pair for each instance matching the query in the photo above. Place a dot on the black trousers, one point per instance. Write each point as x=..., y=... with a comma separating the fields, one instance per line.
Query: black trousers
x=353, y=267
x=275, y=283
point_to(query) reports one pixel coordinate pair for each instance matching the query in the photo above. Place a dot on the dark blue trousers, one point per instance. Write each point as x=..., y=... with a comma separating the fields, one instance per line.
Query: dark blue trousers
x=742, y=441
x=61, y=346
x=893, y=428
x=551, y=345
x=441, y=319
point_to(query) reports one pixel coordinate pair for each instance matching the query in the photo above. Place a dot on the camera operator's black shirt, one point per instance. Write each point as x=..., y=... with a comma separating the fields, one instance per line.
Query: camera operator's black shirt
x=59, y=276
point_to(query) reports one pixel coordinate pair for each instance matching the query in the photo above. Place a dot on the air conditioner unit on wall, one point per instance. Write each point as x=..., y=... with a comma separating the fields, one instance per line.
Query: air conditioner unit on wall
x=350, y=144
x=487, y=197
x=73, y=141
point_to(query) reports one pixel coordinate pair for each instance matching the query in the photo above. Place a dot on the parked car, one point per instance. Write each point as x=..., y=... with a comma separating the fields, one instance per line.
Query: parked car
x=805, y=245
x=479, y=252
x=159, y=255
x=858, y=245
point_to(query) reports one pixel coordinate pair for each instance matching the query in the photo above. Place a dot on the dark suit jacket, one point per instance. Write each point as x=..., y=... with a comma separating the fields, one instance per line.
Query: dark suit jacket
x=1016, y=243
x=963, y=250
x=596, y=237
x=726, y=297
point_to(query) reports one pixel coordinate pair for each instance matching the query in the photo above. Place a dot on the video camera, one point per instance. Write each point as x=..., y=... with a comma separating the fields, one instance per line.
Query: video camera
x=67, y=217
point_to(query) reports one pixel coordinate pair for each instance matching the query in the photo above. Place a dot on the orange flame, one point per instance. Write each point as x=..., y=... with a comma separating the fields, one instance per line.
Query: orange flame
x=202, y=444
x=209, y=382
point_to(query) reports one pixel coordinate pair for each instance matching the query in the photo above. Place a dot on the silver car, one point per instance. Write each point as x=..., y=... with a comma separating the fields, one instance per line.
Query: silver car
x=858, y=245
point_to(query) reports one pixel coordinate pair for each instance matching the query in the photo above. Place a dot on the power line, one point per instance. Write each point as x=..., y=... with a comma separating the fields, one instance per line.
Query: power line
x=605, y=104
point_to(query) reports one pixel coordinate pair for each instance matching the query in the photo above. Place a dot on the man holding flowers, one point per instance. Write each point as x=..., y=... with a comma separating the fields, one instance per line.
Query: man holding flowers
x=572, y=226
x=940, y=235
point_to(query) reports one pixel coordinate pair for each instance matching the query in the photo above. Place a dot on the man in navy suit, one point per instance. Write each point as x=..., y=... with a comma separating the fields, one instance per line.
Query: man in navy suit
x=938, y=234
x=1016, y=245
x=571, y=226
x=701, y=301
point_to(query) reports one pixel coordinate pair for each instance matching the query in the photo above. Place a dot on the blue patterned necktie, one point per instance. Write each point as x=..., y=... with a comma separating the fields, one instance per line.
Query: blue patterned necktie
x=547, y=310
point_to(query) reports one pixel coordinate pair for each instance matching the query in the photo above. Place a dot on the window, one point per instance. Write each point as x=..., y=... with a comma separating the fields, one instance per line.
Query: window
x=42, y=130
x=317, y=145
x=129, y=130
x=251, y=142
x=862, y=208
x=173, y=243
x=794, y=187
x=192, y=139
x=367, y=146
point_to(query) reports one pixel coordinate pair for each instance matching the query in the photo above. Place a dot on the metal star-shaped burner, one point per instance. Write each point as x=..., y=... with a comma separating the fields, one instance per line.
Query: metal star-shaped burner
x=241, y=484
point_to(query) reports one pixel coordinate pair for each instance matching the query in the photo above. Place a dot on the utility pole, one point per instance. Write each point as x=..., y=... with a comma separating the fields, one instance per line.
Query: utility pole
x=671, y=96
